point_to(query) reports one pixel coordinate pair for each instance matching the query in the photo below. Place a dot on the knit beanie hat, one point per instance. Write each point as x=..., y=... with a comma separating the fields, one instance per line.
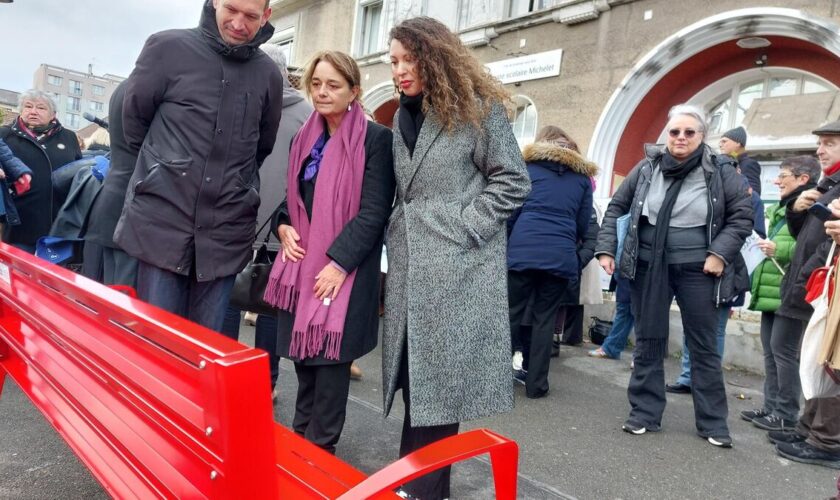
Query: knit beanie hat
x=737, y=134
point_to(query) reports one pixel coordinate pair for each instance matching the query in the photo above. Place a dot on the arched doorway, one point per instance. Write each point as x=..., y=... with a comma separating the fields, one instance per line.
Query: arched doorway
x=695, y=58
x=380, y=100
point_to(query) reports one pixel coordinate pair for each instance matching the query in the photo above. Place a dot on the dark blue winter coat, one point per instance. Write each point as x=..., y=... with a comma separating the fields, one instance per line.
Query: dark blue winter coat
x=14, y=168
x=544, y=233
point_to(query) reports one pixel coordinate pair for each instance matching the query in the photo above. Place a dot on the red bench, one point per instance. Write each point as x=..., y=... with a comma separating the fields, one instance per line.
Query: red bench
x=157, y=406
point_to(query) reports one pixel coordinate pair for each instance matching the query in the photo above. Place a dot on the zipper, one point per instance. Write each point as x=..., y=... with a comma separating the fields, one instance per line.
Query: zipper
x=709, y=224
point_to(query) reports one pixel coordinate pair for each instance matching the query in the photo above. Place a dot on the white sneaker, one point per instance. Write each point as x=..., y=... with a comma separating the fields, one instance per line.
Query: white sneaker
x=250, y=318
x=517, y=360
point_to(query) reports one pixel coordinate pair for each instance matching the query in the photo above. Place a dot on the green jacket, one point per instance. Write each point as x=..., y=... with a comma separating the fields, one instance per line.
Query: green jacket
x=766, y=278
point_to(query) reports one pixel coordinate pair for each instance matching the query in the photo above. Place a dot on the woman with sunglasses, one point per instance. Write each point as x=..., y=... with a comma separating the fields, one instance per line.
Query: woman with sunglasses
x=689, y=218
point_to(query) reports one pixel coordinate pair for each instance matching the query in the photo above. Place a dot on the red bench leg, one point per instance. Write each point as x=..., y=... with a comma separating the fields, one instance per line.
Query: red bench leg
x=4, y=356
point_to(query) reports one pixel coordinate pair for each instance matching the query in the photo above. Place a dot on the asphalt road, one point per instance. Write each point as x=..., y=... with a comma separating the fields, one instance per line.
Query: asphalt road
x=571, y=443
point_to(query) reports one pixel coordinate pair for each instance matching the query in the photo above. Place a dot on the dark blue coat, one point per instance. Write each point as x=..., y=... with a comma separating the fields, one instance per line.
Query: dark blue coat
x=13, y=168
x=545, y=232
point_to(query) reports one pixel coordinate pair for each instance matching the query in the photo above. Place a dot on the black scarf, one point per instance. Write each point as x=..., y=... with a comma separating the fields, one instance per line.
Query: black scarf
x=411, y=119
x=652, y=337
x=793, y=195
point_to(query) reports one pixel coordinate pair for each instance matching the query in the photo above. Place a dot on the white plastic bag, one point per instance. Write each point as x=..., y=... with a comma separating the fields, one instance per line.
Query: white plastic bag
x=816, y=383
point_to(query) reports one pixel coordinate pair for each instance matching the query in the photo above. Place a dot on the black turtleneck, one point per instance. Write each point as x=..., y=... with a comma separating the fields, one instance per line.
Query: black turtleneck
x=411, y=119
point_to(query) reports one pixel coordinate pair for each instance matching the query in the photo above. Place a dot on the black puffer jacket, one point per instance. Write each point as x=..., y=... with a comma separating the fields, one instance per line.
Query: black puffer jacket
x=203, y=116
x=730, y=219
x=809, y=232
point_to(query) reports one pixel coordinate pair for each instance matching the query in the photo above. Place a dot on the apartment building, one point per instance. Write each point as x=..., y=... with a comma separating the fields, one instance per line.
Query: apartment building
x=76, y=93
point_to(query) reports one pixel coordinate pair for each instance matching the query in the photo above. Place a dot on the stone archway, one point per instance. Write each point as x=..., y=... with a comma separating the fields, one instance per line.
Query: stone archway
x=691, y=60
x=380, y=100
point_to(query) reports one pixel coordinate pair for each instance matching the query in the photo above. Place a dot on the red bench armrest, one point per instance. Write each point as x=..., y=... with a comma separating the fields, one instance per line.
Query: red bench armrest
x=504, y=456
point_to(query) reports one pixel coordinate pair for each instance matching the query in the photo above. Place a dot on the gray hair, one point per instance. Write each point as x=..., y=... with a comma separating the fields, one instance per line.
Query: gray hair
x=692, y=111
x=275, y=53
x=802, y=165
x=36, y=95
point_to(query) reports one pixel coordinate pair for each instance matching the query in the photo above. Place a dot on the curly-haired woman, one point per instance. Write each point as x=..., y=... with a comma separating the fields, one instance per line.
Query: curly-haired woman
x=460, y=175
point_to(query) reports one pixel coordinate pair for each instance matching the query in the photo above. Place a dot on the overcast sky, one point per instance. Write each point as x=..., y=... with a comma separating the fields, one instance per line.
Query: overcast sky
x=72, y=34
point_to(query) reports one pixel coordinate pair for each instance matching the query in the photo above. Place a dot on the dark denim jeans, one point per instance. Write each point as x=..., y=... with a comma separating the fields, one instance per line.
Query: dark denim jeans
x=265, y=336
x=202, y=302
x=781, y=341
x=723, y=319
x=694, y=292
x=616, y=341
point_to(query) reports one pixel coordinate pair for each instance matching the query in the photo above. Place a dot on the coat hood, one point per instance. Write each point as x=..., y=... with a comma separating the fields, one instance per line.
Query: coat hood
x=547, y=152
x=290, y=94
x=210, y=30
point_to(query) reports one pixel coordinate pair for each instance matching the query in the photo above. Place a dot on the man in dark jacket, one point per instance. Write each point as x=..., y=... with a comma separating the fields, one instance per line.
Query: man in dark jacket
x=816, y=439
x=104, y=260
x=39, y=140
x=202, y=108
x=734, y=143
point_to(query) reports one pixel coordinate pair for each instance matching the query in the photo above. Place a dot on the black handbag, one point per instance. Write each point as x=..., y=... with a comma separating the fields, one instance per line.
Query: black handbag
x=599, y=330
x=249, y=287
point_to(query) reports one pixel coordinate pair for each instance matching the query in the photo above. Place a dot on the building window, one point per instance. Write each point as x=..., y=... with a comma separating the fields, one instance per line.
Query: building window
x=75, y=87
x=524, y=121
x=73, y=121
x=445, y=12
x=74, y=104
x=285, y=39
x=371, y=27
x=96, y=106
x=729, y=109
x=522, y=7
x=54, y=80
x=98, y=90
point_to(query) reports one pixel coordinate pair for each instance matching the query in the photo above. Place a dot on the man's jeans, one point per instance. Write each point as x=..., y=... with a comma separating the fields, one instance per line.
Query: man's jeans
x=202, y=302
x=265, y=336
x=723, y=319
x=616, y=341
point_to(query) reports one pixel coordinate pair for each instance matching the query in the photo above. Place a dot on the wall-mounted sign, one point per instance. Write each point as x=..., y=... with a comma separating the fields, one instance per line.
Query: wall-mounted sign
x=532, y=67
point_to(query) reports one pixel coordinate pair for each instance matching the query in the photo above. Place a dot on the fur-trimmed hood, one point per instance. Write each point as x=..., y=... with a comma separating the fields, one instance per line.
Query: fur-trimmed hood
x=547, y=152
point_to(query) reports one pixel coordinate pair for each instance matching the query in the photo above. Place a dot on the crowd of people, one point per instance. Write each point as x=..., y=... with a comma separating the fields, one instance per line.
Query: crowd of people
x=212, y=153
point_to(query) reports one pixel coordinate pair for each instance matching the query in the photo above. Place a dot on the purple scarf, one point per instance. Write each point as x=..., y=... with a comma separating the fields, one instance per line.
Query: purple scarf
x=338, y=193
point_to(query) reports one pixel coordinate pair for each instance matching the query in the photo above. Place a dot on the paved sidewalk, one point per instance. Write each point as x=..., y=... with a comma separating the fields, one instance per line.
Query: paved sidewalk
x=571, y=443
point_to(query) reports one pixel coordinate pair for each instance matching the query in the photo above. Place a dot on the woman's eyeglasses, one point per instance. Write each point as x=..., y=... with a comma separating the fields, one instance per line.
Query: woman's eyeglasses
x=688, y=133
x=785, y=175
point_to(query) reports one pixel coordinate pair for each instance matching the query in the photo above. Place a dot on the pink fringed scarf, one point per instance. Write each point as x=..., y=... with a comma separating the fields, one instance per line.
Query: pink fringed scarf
x=338, y=192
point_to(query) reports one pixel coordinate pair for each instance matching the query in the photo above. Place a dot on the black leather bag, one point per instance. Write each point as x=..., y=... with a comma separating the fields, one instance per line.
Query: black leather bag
x=249, y=287
x=599, y=330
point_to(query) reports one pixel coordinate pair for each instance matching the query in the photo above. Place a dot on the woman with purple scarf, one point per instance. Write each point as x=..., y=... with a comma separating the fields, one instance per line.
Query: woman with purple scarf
x=326, y=281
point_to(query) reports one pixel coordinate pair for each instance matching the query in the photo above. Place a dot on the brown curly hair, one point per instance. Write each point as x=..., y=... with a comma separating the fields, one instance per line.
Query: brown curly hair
x=459, y=86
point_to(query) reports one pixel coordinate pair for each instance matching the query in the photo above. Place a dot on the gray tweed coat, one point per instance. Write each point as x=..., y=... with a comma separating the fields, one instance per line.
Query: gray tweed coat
x=446, y=290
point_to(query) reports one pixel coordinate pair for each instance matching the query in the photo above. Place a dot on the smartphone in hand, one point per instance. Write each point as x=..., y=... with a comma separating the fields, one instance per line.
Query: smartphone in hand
x=821, y=212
